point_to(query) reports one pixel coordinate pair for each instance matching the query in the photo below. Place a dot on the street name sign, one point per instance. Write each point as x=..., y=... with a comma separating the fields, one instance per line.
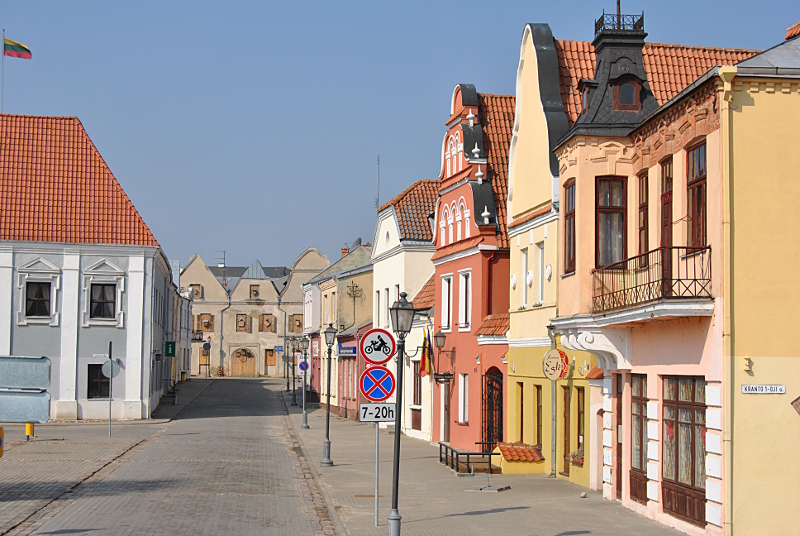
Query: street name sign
x=376, y=384
x=24, y=372
x=377, y=346
x=763, y=389
x=279, y=349
x=376, y=412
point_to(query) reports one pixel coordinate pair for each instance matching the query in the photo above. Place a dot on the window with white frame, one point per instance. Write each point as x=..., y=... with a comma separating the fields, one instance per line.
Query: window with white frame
x=450, y=218
x=523, y=278
x=447, y=299
x=463, y=398
x=386, y=305
x=396, y=292
x=540, y=274
x=460, y=148
x=103, y=288
x=458, y=224
x=466, y=222
x=38, y=282
x=464, y=299
x=443, y=224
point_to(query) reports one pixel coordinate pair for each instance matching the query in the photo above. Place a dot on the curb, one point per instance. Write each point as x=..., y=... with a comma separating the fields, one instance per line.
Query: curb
x=328, y=503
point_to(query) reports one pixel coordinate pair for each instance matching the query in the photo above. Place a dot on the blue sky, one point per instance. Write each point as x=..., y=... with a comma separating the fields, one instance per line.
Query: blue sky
x=253, y=127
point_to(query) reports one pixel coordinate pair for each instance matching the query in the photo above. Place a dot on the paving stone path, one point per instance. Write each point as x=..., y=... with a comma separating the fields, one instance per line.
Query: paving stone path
x=229, y=464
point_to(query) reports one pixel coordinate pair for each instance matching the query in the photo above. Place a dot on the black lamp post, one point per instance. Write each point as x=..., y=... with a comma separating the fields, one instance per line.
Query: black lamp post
x=330, y=334
x=438, y=341
x=295, y=347
x=304, y=343
x=402, y=313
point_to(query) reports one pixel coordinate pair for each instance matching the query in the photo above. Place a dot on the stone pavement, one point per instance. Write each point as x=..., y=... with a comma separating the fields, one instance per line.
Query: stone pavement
x=229, y=463
x=433, y=501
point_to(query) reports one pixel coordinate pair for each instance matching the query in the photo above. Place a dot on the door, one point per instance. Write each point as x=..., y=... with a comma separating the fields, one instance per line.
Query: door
x=492, y=409
x=566, y=431
x=666, y=228
x=446, y=412
x=269, y=359
x=618, y=461
x=243, y=363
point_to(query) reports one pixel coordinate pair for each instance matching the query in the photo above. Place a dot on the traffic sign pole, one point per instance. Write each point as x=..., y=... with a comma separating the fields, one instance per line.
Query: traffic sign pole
x=110, y=385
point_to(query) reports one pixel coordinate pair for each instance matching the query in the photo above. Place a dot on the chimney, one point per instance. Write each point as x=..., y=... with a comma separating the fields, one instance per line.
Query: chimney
x=345, y=251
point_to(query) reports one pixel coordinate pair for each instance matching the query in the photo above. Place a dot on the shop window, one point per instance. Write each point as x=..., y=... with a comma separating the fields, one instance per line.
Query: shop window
x=569, y=227
x=639, y=438
x=696, y=184
x=37, y=299
x=611, y=220
x=684, y=438
x=539, y=416
x=97, y=384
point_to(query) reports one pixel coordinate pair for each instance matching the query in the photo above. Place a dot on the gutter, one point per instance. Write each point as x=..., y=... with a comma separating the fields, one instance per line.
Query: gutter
x=222, y=328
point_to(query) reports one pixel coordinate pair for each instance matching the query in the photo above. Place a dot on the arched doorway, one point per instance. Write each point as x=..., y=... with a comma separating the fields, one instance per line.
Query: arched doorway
x=492, y=409
x=243, y=363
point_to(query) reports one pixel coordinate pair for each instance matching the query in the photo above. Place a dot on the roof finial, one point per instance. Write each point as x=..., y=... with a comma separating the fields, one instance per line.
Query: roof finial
x=485, y=215
x=479, y=175
x=476, y=152
x=471, y=118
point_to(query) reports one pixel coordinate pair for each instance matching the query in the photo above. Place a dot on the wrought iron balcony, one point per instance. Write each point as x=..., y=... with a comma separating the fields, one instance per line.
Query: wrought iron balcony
x=197, y=335
x=666, y=273
x=618, y=22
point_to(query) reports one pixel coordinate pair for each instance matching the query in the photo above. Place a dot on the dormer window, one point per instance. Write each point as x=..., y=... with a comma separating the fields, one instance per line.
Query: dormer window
x=584, y=99
x=626, y=95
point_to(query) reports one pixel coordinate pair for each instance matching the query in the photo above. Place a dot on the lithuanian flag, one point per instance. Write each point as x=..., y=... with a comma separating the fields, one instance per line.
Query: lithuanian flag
x=16, y=50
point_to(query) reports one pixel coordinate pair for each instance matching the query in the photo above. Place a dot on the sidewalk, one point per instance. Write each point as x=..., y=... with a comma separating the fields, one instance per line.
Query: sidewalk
x=433, y=501
x=65, y=454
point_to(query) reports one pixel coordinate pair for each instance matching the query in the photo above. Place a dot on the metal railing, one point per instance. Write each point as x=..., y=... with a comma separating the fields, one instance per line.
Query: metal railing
x=452, y=458
x=618, y=22
x=666, y=273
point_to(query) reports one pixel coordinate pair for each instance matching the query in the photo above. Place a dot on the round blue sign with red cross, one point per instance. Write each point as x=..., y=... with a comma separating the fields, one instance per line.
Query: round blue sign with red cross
x=303, y=365
x=376, y=383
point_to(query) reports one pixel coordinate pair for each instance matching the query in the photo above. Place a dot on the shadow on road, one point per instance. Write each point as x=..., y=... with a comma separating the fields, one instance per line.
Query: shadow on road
x=33, y=491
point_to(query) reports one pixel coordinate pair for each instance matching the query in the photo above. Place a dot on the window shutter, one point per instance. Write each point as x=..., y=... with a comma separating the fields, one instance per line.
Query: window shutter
x=211, y=323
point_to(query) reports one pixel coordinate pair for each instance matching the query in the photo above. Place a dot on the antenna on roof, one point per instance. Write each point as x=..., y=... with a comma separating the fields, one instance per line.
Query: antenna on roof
x=378, y=199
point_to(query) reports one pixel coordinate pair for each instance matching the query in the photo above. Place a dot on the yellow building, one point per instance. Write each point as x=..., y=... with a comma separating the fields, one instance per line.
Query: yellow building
x=534, y=243
x=759, y=116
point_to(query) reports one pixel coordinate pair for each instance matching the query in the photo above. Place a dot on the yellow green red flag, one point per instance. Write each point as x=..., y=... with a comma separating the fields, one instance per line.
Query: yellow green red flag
x=16, y=50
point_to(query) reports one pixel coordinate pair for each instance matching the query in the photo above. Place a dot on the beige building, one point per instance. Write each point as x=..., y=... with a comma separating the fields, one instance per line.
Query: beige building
x=244, y=314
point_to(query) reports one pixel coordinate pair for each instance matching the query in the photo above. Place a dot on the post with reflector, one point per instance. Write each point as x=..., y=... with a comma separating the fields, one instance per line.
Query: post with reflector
x=402, y=313
x=2, y=440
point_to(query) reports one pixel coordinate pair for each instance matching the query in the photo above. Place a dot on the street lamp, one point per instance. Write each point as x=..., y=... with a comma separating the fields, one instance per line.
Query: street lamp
x=438, y=341
x=295, y=347
x=304, y=343
x=330, y=334
x=402, y=313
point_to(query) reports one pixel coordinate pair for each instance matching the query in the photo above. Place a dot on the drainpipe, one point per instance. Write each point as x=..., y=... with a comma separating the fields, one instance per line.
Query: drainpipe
x=728, y=342
x=552, y=335
x=222, y=329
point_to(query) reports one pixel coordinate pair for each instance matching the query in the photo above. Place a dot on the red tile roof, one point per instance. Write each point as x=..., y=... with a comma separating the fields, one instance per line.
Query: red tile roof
x=496, y=114
x=528, y=217
x=426, y=297
x=464, y=245
x=55, y=186
x=495, y=325
x=412, y=208
x=669, y=68
x=792, y=31
x=520, y=452
x=595, y=374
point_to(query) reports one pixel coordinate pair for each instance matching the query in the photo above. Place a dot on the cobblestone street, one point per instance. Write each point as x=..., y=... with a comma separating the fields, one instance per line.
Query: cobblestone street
x=233, y=461
x=227, y=465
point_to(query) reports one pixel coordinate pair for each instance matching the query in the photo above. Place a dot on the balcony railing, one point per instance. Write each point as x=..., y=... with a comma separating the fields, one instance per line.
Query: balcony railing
x=618, y=22
x=197, y=335
x=666, y=273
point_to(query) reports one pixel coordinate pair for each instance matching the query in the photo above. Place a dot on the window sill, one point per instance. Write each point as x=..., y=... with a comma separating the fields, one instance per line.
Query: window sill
x=462, y=423
x=568, y=274
x=537, y=304
x=415, y=406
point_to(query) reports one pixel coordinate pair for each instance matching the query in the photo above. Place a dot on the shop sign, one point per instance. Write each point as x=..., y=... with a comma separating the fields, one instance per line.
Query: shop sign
x=555, y=364
x=763, y=389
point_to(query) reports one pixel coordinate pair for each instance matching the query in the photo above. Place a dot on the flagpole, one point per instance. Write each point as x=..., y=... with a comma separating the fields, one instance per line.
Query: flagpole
x=2, y=70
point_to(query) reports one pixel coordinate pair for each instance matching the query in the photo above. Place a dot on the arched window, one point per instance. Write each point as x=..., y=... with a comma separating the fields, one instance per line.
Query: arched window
x=466, y=222
x=447, y=160
x=442, y=223
x=454, y=155
x=460, y=149
x=450, y=225
x=458, y=222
